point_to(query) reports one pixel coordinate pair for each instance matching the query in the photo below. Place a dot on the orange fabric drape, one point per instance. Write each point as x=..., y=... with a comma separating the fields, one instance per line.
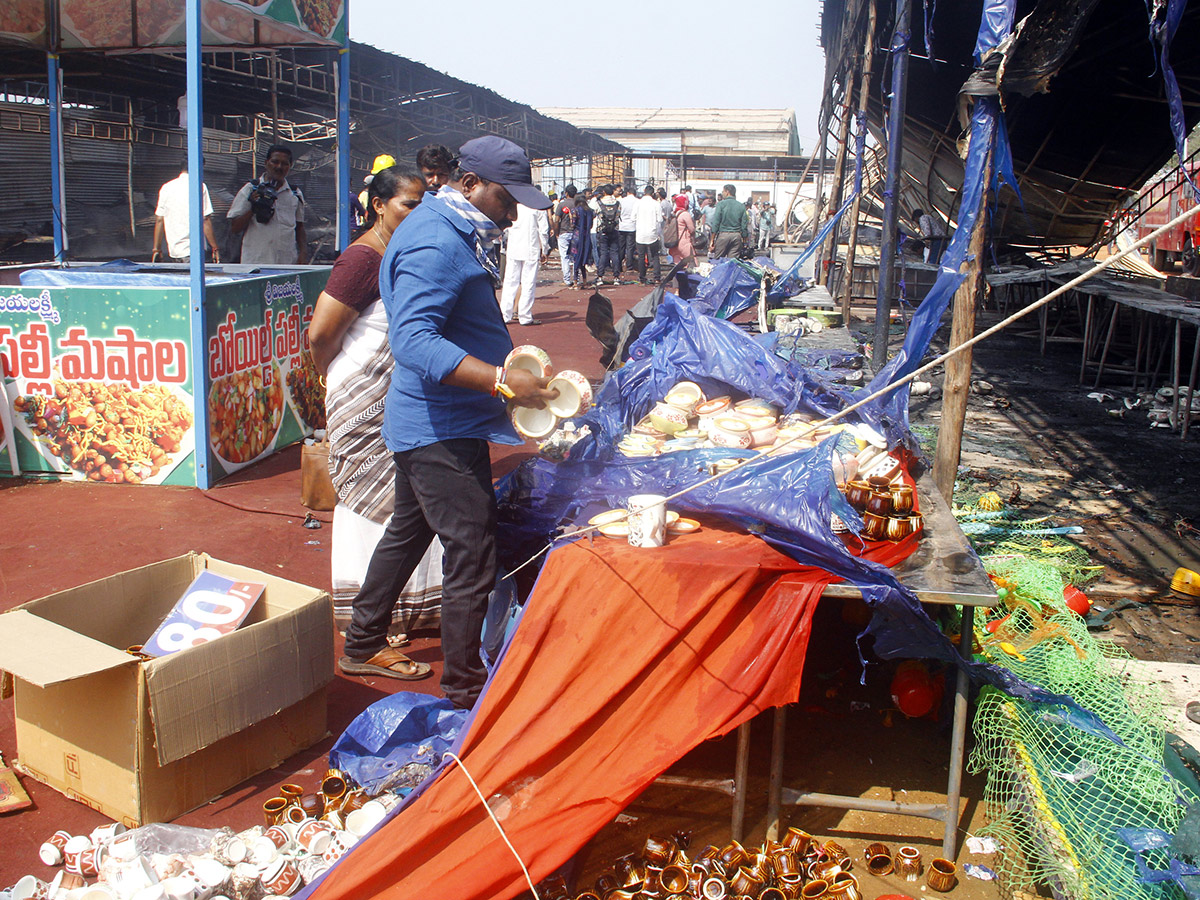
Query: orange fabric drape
x=624, y=661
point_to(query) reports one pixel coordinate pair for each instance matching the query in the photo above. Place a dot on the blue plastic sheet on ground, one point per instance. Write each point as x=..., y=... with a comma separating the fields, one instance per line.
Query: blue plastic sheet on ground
x=728, y=289
x=397, y=741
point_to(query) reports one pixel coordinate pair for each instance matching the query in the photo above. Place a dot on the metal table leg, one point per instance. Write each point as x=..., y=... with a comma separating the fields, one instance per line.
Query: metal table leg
x=775, y=789
x=1187, y=410
x=958, y=734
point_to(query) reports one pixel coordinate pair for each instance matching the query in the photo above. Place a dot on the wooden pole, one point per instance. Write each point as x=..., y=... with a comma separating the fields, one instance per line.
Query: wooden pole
x=839, y=175
x=864, y=90
x=957, y=385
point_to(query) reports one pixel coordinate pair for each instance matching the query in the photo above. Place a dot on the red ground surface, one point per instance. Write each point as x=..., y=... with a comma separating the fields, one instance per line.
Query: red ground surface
x=59, y=535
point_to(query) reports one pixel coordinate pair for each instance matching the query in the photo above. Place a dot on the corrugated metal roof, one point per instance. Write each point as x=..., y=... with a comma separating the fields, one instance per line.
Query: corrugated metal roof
x=613, y=118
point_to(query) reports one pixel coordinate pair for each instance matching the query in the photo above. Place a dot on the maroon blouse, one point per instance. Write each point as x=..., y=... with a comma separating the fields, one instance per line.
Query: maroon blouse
x=354, y=280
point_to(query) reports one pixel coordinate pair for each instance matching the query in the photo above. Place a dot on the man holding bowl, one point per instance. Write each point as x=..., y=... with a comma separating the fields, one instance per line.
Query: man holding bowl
x=444, y=404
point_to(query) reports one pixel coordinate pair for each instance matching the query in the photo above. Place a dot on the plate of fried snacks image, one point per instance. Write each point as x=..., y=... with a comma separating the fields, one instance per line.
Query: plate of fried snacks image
x=319, y=16
x=306, y=392
x=245, y=410
x=109, y=432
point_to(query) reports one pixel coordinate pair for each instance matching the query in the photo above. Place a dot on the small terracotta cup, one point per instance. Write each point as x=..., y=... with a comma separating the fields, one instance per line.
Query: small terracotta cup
x=874, y=526
x=797, y=839
x=815, y=889
x=902, y=499
x=657, y=850
x=291, y=791
x=942, y=875
x=334, y=786
x=857, y=493
x=273, y=809
x=898, y=528
x=354, y=800
x=907, y=863
x=674, y=879
x=312, y=804
x=880, y=864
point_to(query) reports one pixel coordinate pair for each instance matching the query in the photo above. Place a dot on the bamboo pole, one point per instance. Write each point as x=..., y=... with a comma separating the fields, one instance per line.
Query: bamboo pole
x=864, y=90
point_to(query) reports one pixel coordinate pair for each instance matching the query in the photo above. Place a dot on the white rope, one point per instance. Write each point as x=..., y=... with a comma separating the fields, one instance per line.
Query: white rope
x=495, y=822
x=888, y=388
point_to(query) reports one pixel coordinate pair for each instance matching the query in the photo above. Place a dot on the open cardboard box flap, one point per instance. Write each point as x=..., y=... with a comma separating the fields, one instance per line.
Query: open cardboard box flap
x=220, y=688
x=44, y=653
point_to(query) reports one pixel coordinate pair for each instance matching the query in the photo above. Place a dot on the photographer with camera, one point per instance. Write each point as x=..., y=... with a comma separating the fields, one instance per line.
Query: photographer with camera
x=269, y=213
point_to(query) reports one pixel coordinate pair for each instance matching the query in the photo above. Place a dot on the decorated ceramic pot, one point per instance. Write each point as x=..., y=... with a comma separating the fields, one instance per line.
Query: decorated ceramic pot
x=727, y=431
x=685, y=395
x=531, y=359
x=574, y=394
x=533, y=423
x=668, y=419
x=713, y=407
x=763, y=435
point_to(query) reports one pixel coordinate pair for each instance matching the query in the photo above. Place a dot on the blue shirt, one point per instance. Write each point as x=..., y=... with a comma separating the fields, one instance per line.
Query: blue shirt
x=441, y=307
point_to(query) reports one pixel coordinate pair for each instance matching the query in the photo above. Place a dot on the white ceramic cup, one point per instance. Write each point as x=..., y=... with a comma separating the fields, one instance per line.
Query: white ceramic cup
x=50, y=854
x=647, y=520
x=153, y=892
x=130, y=875
x=366, y=817
x=104, y=833
x=30, y=888
x=314, y=836
x=99, y=891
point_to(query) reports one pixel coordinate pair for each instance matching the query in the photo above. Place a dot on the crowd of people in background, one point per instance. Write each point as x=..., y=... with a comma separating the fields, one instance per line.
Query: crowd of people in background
x=613, y=234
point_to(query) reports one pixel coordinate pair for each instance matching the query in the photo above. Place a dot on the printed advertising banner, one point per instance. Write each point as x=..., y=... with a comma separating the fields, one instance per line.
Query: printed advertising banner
x=124, y=24
x=99, y=382
x=262, y=390
x=102, y=387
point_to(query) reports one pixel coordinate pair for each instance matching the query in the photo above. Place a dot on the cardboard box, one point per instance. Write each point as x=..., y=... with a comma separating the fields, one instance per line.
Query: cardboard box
x=148, y=741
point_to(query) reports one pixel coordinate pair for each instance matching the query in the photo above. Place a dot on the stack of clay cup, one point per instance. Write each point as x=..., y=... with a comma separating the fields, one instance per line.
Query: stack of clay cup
x=298, y=843
x=574, y=394
x=797, y=867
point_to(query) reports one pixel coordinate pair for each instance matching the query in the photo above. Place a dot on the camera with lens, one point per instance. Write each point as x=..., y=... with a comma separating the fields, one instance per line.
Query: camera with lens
x=262, y=200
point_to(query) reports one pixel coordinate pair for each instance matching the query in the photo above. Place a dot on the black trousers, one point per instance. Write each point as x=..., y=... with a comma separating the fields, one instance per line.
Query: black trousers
x=628, y=249
x=651, y=251
x=443, y=489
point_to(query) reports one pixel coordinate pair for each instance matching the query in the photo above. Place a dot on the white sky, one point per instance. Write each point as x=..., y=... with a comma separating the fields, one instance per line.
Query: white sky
x=742, y=54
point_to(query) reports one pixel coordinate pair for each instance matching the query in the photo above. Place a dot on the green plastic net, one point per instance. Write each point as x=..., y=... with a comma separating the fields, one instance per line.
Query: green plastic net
x=1057, y=793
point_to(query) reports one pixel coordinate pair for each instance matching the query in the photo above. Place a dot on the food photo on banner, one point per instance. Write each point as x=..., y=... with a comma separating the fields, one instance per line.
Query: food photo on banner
x=127, y=24
x=262, y=390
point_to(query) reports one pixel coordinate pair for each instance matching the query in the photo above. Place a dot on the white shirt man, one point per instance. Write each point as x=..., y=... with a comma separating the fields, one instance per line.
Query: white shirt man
x=627, y=228
x=281, y=240
x=173, y=219
x=649, y=229
x=528, y=243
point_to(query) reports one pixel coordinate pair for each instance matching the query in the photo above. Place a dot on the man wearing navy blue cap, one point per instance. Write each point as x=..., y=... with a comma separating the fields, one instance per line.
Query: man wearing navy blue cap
x=445, y=403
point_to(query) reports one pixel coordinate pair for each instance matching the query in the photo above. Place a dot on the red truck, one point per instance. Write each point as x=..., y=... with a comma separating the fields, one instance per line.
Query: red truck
x=1157, y=205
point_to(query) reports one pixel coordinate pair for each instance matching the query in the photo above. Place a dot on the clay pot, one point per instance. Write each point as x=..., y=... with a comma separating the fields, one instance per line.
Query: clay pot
x=879, y=502
x=902, y=499
x=857, y=493
x=837, y=853
x=815, y=889
x=907, y=863
x=733, y=855
x=657, y=851
x=942, y=875
x=874, y=526
x=898, y=529
x=797, y=839
x=880, y=864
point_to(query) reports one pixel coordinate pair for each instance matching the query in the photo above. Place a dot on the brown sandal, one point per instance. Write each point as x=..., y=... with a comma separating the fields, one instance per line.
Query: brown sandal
x=388, y=662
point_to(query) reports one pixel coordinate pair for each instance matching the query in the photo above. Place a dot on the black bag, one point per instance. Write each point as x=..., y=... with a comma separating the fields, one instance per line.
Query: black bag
x=671, y=232
x=610, y=217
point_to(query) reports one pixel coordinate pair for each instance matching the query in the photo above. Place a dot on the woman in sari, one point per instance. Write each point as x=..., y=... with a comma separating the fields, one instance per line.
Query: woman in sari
x=349, y=342
x=581, y=243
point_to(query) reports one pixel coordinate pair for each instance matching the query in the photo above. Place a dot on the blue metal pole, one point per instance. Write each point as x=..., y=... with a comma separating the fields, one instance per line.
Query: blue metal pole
x=195, y=136
x=343, y=141
x=891, y=189
x=53, y=73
